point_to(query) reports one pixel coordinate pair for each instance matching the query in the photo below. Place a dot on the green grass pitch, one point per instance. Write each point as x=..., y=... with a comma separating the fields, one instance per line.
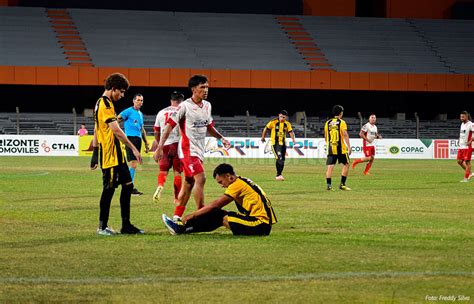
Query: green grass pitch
x=402, y=235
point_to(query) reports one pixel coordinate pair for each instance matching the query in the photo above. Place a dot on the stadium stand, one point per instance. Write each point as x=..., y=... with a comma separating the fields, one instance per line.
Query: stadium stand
x=27, y=38
x=235, y=126
x=153, y=39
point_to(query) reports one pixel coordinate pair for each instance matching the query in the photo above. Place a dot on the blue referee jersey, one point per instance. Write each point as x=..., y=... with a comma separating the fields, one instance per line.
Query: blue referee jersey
x=133, y=122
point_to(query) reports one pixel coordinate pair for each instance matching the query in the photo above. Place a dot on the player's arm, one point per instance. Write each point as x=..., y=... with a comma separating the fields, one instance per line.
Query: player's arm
x=348, y=142
x=166, y=133
x=264, y=133
x=115, y=127
x=214, y=133
x=378, y=136
x=157, y=134
x=292, y=135
x=95, y=153
x=363, y=135
x=145, y=140
x=217, y=204
x=120, y=118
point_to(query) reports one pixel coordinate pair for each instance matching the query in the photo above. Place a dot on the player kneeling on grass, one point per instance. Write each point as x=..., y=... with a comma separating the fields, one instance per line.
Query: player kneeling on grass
x=255, y=216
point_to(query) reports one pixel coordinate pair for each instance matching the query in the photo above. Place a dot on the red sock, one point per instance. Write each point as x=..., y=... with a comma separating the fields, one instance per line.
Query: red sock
x=367, y=167
x=177, y=185
x=179, y=210
x=161, y=179
x=468, y=172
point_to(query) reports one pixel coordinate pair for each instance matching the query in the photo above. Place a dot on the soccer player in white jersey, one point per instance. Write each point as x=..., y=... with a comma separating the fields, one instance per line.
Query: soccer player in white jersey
x=170, y=157
x=195, y=120
x=368, y=133
x=465, y=145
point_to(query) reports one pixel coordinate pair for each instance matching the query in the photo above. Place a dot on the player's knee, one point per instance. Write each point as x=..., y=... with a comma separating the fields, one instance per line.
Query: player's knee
x=189, y=181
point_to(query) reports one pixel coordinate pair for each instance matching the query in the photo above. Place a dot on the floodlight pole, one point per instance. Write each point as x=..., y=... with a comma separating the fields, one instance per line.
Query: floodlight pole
x=74, y=119
x=17, y=120
x=417, y=118
x=248, y=122
x=305, y=124
x=359, y=114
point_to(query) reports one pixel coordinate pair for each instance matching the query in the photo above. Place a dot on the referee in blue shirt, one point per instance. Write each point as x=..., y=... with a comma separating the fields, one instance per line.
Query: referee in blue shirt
x=135, y=131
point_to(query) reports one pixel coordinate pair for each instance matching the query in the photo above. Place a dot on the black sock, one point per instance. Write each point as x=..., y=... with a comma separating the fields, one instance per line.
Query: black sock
x=328, y=181
x=105, y=200
x=343, y=180
x=279, y=166
x=125, y=203
x=206, y=222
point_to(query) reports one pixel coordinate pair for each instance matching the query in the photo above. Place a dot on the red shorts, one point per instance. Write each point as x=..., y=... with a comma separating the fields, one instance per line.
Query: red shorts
x=369, y=151
x=192, y=166
x=170, y=158
x=464, y=154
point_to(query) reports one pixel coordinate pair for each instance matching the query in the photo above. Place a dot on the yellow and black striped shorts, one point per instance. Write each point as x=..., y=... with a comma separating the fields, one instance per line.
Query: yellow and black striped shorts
x=241, y=224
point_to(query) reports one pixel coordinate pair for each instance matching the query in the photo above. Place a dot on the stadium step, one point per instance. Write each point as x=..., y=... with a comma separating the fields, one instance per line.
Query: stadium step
x=69, y=38
x=304, y=43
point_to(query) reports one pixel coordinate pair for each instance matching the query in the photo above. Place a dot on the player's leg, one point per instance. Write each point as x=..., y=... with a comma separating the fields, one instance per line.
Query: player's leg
x=132, y=160
x=241, y=224
x=369, y=165
x=165, y=165
x=178, y=181
x=125, y=180
x=199, y=189
x=366, y=157
x=206, y=222
x=344, y=159
x=330, y=162
x=105, y=201
x=279, y=162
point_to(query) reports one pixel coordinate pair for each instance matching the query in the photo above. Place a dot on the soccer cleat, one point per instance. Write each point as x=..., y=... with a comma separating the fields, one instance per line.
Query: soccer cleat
x=135, y=192
x=329, y=188
x=130, y=229
x=355, y=164
x=465, y=180
x=175, y=226
x=367, y=173
x=471, y=176
x=345, y=188
x=157, y=195
x=280, y=178
x=106, y=232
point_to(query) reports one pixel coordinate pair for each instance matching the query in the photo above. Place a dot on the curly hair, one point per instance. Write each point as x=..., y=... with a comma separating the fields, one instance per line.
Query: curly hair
x=117, y=81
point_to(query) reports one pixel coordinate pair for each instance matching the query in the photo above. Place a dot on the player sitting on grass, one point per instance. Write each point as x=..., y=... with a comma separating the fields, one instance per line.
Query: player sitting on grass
x=255, y=216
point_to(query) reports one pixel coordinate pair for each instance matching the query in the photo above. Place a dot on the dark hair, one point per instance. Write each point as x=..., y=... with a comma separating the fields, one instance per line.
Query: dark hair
x=117, y=81
x=196, y=80
x=137, y=95
x=467, y=114
x=337, y=109
x=223, y=169
x=178, y=96
x=284, y=112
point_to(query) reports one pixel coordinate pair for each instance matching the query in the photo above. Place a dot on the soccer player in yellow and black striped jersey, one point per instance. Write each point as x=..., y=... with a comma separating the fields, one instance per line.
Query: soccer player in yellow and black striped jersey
x=338, y=146
x=279, y=127
x=255, y=216
x=109, y=153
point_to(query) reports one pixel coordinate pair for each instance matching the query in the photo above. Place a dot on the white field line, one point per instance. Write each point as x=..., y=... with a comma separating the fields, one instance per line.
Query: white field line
x=237, y=278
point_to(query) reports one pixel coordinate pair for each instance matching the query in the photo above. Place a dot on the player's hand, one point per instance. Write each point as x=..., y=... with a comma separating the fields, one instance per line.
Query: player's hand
x=147, y=148
x=349, y=151
x=370, y=140
x=158, y=154
x=138, y=156
x=225, y=142
x=95, y=158
x=379, y=136
x=263, y=140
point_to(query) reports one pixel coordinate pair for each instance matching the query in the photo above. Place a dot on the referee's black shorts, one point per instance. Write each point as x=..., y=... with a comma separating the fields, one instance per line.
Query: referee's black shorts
x=247, y=225
x=137, y=142
x=341, y=158
x=115, y=176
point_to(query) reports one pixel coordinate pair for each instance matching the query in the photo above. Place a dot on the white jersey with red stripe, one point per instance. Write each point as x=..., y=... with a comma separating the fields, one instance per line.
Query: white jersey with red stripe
x=370, y=131
x=465, y=134
x=160, y=124
x=193, y=121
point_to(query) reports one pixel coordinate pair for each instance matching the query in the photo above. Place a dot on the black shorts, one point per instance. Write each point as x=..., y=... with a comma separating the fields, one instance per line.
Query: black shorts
x=137, y=142
x=247, y=225
x=341, y=158
x=279, y=151
x=118, y=175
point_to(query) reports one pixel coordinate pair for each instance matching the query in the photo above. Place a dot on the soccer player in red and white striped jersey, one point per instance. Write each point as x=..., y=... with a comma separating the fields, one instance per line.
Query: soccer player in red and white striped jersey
x=170, y=157
x=465, y=145
x=195, y=120
x=368, y=133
